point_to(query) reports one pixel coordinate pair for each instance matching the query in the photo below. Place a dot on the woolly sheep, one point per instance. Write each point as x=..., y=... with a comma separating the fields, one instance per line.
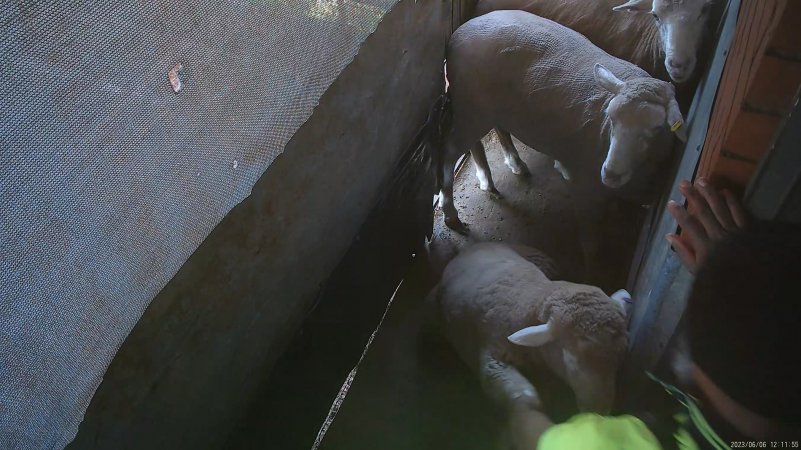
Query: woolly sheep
x=561, y=95
x=502, y=315
x=664, y=37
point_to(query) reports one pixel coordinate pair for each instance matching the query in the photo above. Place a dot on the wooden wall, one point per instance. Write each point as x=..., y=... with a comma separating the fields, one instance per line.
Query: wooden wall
x=759, y=87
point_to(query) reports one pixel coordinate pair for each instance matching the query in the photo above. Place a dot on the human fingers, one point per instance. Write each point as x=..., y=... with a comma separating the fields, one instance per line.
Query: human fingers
x=685, y=253
x=696, y=236
x=738, y=213
x=700, y=209
x=717, y=203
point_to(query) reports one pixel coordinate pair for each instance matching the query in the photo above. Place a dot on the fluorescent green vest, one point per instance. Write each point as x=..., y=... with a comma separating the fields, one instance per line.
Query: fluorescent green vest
x=595, y=432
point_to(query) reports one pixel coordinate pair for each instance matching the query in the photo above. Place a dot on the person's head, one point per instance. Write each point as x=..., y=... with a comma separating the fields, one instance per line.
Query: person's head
x=744, y=332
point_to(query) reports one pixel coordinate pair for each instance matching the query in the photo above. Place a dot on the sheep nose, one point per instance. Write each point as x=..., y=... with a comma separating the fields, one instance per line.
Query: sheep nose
x=678, y=64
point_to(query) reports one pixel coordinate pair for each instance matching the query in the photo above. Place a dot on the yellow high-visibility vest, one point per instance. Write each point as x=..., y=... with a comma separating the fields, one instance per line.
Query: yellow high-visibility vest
x=594, y=432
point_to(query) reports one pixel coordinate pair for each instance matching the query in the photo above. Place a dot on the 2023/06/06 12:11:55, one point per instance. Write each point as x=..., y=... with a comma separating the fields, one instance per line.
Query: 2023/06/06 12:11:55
x=764, y=444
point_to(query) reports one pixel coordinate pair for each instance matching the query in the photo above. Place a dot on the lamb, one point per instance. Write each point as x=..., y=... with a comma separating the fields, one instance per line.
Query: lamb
x=504, y=317
x=561, y=95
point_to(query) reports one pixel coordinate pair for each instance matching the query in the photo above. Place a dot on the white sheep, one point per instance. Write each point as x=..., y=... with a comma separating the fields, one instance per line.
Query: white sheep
x=601, y=117
x=663, y=37
x=502, y=315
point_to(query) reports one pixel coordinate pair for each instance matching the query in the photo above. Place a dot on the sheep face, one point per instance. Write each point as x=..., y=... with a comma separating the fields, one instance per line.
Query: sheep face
x=584, y=341
x=681, y=25
x=641, y=114
x=591, y=374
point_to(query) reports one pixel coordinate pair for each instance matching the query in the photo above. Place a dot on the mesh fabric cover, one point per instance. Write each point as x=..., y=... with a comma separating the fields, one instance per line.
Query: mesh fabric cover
x=109, y=179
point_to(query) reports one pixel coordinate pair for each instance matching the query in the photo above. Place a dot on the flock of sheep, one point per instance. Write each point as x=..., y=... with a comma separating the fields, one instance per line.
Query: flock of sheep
x=589, y=85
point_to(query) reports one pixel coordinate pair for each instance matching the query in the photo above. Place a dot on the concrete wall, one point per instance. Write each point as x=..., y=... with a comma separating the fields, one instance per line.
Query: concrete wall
x=183, y=376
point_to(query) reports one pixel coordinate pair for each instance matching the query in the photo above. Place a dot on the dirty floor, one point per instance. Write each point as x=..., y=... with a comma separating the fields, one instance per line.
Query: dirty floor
x=410, y=390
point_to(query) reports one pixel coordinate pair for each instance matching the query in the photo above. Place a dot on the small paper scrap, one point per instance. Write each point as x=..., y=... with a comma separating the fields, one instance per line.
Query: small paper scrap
x=175, y=77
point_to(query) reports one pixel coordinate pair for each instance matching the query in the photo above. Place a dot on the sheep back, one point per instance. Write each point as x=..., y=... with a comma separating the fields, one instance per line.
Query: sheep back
x=534, y=78
x=488, y=292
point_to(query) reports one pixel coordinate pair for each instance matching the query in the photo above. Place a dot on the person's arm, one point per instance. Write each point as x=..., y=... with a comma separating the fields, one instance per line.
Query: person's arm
x=712, y=214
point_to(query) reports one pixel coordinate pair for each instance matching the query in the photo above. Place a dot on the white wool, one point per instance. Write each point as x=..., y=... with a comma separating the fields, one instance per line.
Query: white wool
x=634, y=37
x=536, y=79
x=488, y=292
x=533, y=78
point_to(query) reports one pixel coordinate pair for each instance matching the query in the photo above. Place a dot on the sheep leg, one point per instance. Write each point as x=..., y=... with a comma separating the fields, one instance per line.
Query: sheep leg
x=455, y=143
x=510, y=390
x=452, y=220
x=562, y=169
x=510, y=155
x=483, y=172
x=466, y=129
x=506, y=386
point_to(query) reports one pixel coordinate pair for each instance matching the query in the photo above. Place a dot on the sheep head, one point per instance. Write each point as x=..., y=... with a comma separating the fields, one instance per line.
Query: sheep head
x=681, y=25
x=586, y=332
x=642, y=113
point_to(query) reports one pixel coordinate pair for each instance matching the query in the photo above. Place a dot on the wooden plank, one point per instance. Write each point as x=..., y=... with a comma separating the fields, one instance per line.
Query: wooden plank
x=754, y=33
x=775, y=86
x=785, y=39
x=752, y=135
x=733, y=174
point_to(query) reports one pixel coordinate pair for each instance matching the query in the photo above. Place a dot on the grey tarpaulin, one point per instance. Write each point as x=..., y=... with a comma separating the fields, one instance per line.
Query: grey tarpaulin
x=110, y=179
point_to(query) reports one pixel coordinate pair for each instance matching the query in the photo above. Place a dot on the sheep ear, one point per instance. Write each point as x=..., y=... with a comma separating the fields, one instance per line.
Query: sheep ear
x=534, y=336
x=675, y=120
x=622, y=298
x=607, y=80
x=635, y=6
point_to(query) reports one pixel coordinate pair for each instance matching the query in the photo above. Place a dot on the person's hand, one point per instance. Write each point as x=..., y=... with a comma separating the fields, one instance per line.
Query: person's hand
x=712, y=214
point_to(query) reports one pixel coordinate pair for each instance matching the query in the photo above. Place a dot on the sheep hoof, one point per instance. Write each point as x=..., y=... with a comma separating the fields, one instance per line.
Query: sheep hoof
x=521, y=170
x=517, y=167
x=456, y=225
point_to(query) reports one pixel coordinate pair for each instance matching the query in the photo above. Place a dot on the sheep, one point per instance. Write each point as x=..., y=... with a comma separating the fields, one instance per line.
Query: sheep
x=561, y=95
x=665, y=43
x=503, y=316
x=664, y=37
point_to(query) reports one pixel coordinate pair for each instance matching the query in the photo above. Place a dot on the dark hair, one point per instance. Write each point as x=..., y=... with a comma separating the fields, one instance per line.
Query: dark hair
x=744, y=319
